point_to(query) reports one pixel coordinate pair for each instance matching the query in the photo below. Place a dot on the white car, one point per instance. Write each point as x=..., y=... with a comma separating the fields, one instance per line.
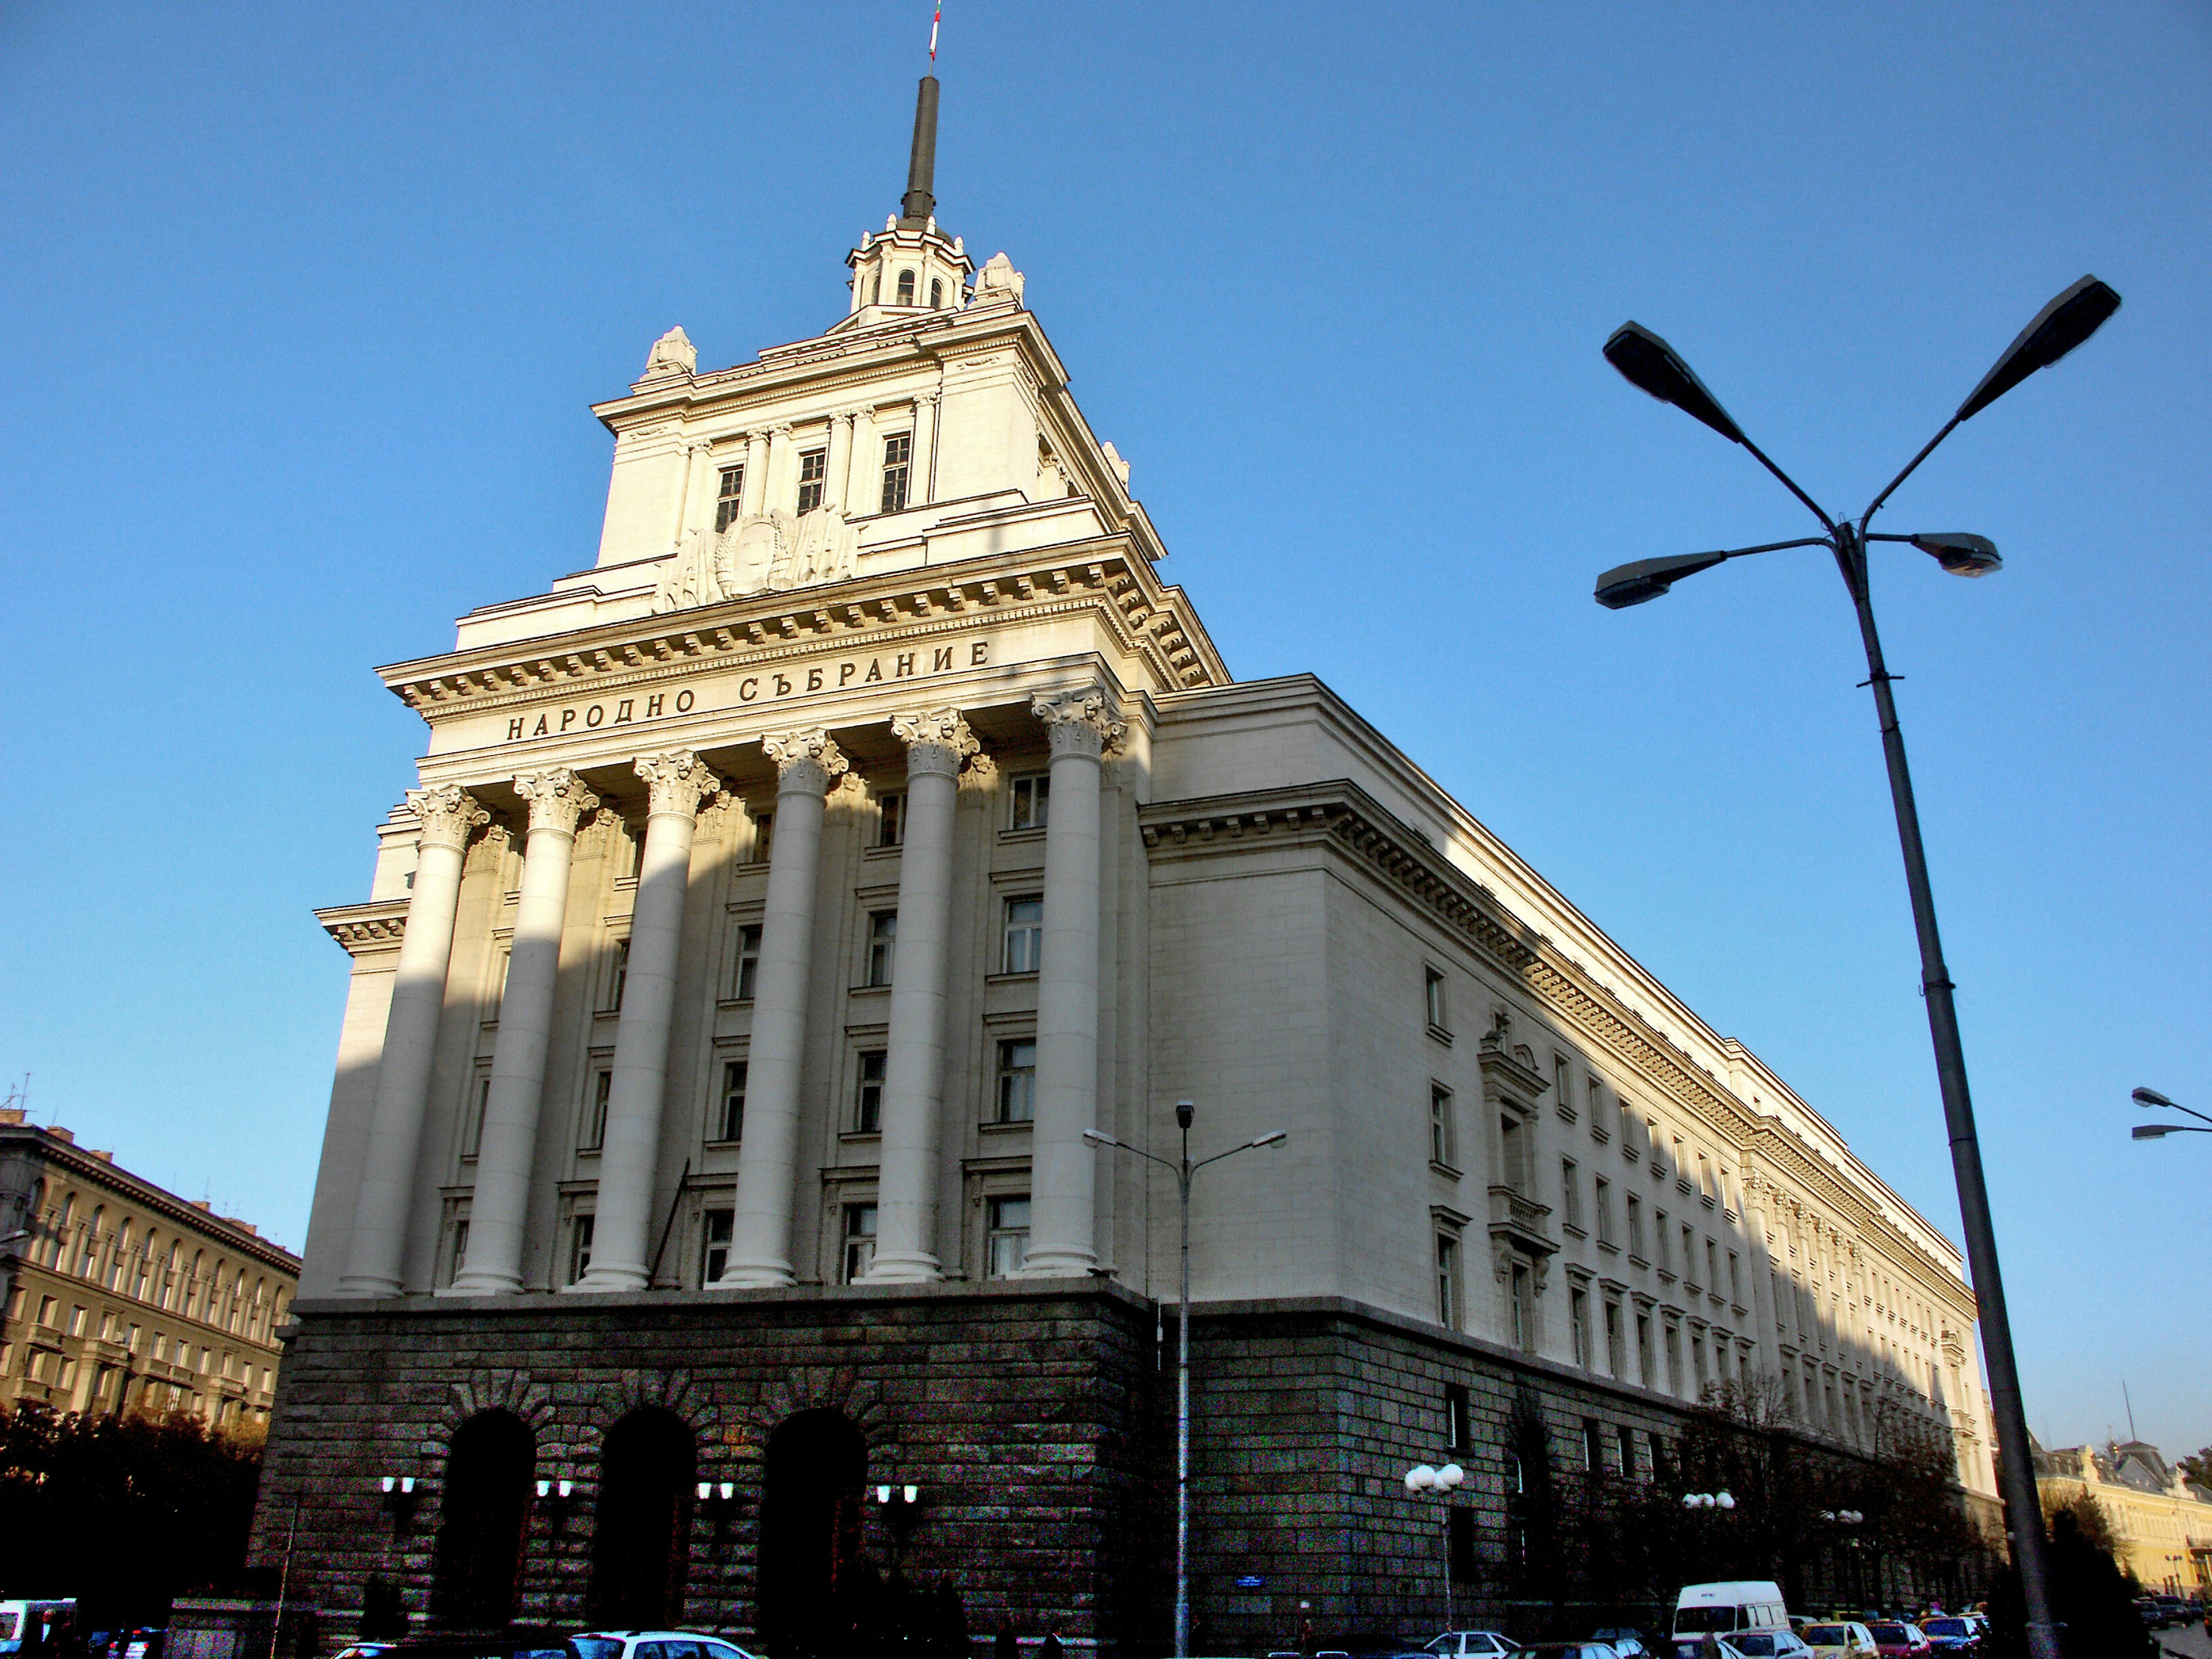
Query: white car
x=652, y=1644
x=1452, y=1645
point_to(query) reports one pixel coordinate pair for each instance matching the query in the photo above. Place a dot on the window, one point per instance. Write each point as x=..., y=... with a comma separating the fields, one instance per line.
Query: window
x=1017, y=1080
x=730, y=1120
x=868, y=1094
x=1031, y=795
x=1689, y=1252
x=1563, y=1083
x=580, y=1248
x=1459, y=1431
x=474, y=1142
x=1433, y=992
x=77, y=1321
x=621, y=980
x=906, y=288
x=1513, y=1164
x=1006, y=1240
x=1666, y=1241
x=1448, y=1281
x=1615, y=1359
x=1525, y=1308
x=715, y=1244
x=764, y=835
x=460, y=1251
x=728, y=501
x=813, y=469
x=1578, y=1322
x=860, y=1241
x=1024, y=935
x=749, y=941
x=936, y=294
x=1673, y=1357
x=1636, y=1227
x=1627, y=1453
x=1602, y=1201
x=1593, y=1444
x=1594, y=1096
x=1627, y=1131
x=1643, y=1349
x=890, y=824
x=1440, y=1125
x=1698, y=1357
x=883, y=941
x=898, y=454
x=1571, y=1194
x=595, y=1115
x=1735, y=1280
x=1712, y=1266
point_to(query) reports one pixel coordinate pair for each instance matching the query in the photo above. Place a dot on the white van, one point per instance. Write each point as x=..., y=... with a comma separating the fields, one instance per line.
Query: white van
x=1741, y=1604
x=21, y=1619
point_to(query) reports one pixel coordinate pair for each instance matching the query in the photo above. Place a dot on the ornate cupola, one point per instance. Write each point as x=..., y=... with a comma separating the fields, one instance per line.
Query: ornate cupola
x=910, y=268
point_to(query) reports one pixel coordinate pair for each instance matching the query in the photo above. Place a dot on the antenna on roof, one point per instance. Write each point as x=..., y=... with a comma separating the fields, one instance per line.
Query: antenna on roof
x=935, y=18
x=921, y=161
x=2131, y=1405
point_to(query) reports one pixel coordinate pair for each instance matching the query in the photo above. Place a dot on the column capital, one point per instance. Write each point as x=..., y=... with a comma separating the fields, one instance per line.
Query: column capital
x=557, y=799
x=781, y=429
x=447, y=813
x=937, y=740
x=676, y=782
x=806, y=760
x=1081, y=722
x=925, y=399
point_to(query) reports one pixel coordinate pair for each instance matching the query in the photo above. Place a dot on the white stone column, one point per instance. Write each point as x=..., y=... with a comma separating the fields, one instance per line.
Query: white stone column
x=841, y=459
x=509, y=1141
x=1063, y=1166
x=696, y=471
x=781, y=474
x=373, y=1259
x=918, y=490
x=623, y=1219
x=756, y=490
x=806, y=763
x=937, y=741
x=864, y=493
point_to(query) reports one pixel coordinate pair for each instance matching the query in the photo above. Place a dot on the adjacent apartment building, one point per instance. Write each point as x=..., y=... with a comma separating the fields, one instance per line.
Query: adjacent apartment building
x=121, y=1297
x=711, y=1199
x=2160, y=1522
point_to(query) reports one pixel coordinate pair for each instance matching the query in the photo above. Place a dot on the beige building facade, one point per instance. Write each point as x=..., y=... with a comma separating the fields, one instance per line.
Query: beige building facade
x=121, y=1297
x=2161, y=1525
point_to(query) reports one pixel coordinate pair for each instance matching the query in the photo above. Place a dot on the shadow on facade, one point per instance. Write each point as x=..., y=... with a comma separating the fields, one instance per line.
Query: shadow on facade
x=641, y=1530
x=810, y=1531
x=477, y=1576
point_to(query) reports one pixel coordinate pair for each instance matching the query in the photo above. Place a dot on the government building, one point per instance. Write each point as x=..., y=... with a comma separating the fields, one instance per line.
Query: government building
x=711, y=1208
x=119, y=1297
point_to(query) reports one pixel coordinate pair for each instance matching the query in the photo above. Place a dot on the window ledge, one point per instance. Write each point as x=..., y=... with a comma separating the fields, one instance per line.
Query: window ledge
x=1028, y=975
x=1572, y=1230
x=1441, y=1035
x=1443, y=1169
x=995, y=1128
x=863, y=990
x=1641, y=1261
x=734, y=1002
x=847, y=1136
x=1609, y=1247
x=889, y=851
x=1006, y=836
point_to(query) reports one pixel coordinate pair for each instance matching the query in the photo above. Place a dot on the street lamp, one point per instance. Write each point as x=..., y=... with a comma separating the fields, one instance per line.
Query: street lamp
x=2150, y=1097
x=1446, y=1480
x=1650, y=363
x=1183, y=1170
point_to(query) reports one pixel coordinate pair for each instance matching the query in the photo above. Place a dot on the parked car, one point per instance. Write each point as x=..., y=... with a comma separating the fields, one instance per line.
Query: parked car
x=1763, y=1644
x=1952, y=1633
x=1895, y=1639
x=1628, y=1643
x=1449, y=1644
x=1571, y=1651
x=651, y=1644
x=1840, y=1639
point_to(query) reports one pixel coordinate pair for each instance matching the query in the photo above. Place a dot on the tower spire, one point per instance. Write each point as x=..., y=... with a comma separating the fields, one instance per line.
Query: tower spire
x=921, y=162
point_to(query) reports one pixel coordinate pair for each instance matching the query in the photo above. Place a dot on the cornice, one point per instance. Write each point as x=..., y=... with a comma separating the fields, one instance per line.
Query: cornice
x=143, y=1195
x=362, y=929
x=1149, y=621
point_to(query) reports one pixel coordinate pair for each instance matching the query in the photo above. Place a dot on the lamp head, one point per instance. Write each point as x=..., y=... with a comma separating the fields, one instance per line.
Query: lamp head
x=2152, y=1098
x=1960, y=554
x=2151, y=1131
x=1098, y=1138
x=2060, y=326
x=1420, y=1477
x=1647, y=578
x=1651, y=365
x=1272, y=1138
x=1449, y=1477
x=1183, y=1112
x=1724, y=1500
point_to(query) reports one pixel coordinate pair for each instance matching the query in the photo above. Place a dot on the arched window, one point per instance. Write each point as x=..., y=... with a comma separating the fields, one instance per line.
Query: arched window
x=120, y=1260
x=193, y=1280
x=237, y=1308
x=641, y=1533
x=875, y=286
x=59, y=1241
x=88, y=1258
x=810, y=1531
x=143, y=1268
x=906, y=288
x=936, y=294
x=254, y=1327
x=166, y=1292
x=476, y=1573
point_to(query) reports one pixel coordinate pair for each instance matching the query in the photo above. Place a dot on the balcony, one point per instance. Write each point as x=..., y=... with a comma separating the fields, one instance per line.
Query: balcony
x=1520, y=1221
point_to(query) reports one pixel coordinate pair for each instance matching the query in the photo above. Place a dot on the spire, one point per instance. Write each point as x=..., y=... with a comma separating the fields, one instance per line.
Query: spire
x=921, y=163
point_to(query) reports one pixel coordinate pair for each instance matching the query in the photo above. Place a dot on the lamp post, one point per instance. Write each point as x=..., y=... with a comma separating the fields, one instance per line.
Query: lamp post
x=1651, y=364
x=1446, y=1481
x=1183, y=1170
x=2149, y=1098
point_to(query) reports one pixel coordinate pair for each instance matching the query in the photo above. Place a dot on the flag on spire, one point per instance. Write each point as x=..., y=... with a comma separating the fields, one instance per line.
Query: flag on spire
x=935, y=18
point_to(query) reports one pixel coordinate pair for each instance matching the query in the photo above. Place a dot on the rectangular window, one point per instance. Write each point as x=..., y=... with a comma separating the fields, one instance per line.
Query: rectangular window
x=1627, y=1130
x=1007, y=1238
x=621, y=981
x=729, y=497
x=730, y=1116
x=1712, y=1266
x=1578, y=1319
x=860, y=1241
x=1602, y=1197
x=1616, y=1361
x=749, y=941
x=480, y=1107
x=460, y=1255
x=595, y=1115
x=1627, y=1453
x=1698, y=1357
x=1643, y=1349
x=1571, y=1194
x=1595, y=1098
x=883, y=941
x=868, y=1096
x=1562, y=1084
x=1689, y=1251
x=1464, y=1558
x=46, y=1311
x=898, y=454
x=763, y=837
x=1434, y=992
x=813, y=469
x=580, y=1248
x=1440, y=1125
x=77, y=1321
x=1017, y=1080
x=715, y=1244
x=891, y=826
x=1666, y=1241
x=1636, y=1227
x=1458, y=1418
x=1513, y=1165
x=1673, y=1335
x=1525, y=1308
x=1032, y=796
x=1593, y=1444
x=1024, y=935
x=1735, y=1279
x=1448, y=1281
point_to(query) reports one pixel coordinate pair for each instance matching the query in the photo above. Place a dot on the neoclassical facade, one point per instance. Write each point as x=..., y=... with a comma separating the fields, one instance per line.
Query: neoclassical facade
x=778, y=904
x=121, y=1297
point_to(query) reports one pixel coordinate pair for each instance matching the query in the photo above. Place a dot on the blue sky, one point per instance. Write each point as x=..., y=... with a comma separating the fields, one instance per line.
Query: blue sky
x=303, y=307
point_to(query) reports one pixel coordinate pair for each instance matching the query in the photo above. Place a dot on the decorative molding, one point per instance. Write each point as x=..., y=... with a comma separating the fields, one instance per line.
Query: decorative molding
x=446, y=814
x=937, y=741
x=557, y=799
x=363, y=929
x=806, y=760
x=1079, y=722
x=676, y=782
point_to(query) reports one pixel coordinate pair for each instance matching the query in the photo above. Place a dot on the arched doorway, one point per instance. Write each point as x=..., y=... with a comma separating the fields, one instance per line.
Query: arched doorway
x=641, y=1537
x=810, y=1532
x=477, y=1576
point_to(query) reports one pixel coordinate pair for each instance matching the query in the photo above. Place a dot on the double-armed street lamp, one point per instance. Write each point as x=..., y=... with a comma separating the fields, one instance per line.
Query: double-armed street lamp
x=1651, y=364
x=2157, y=1102
x=1424, y=1477
x=1183, y=1170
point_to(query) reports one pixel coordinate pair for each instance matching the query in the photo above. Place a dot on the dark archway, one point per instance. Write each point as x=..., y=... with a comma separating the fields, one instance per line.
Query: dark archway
x=477, y=1581
x=809, y=1533
x=641, y=1534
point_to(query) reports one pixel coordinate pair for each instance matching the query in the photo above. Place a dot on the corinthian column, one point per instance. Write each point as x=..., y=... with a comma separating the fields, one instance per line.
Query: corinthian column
x=925, y=450
x=806, y=763
x=841, y=459
x=754, y=496
x=914, y=1083
x=509, y=1138
x=1062, y=1165
x=446, y=814
x=676, y=782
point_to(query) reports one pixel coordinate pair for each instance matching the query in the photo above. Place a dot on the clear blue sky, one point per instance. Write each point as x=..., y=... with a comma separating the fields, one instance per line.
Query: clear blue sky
x=303, y=306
